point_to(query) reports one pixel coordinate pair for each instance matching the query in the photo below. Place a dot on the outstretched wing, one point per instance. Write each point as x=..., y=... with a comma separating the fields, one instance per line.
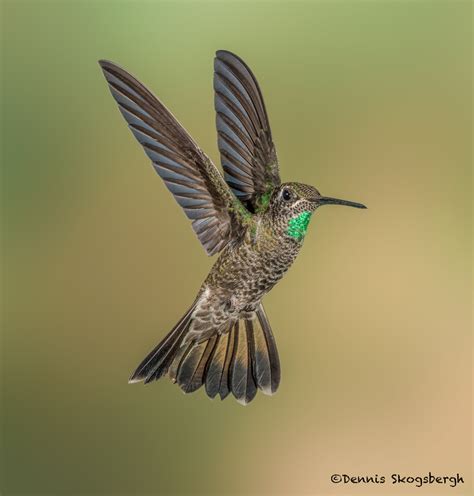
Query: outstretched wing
x=186, y=170
x=247, y=151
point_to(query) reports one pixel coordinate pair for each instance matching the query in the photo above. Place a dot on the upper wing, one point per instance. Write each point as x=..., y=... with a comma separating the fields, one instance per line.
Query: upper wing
x=186, y=170
x=245, y=140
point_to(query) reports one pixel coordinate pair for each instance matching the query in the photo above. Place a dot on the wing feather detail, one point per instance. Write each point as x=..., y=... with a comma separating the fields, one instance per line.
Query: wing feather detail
x=186, y=170
x=245, y=142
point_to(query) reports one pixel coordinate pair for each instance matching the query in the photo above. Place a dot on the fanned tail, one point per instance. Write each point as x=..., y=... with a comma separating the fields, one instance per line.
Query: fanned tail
x=244, y=360
x=240, y=361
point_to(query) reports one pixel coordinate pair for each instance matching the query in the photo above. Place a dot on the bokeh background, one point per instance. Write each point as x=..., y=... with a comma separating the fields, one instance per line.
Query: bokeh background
x=368, y=101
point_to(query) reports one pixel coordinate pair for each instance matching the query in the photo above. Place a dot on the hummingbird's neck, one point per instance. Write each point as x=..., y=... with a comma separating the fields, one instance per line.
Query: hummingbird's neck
x=291, y=228
x=297, y=226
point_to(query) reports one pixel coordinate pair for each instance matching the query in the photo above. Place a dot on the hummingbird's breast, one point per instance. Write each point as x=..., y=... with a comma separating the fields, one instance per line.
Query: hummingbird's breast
x=246, y=271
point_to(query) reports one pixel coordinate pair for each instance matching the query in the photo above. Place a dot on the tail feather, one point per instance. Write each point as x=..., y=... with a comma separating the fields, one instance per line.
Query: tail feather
x=267, y=362
x=261, y=358
x=162, y=366
x=174, y=368
x=193, y=364
x=241, y=378
x=216, y=365
x=199, y=375
x=157, y=362
x=241, y=361
x=224, y=385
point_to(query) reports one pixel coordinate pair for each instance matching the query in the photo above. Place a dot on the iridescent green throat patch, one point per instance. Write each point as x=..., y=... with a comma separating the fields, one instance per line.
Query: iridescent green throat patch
x=298, y=225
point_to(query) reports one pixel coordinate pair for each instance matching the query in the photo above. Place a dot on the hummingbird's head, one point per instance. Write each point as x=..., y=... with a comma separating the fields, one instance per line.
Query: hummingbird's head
x=294, y=203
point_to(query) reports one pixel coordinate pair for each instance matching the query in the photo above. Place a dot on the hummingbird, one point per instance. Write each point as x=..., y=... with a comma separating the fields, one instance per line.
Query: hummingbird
x=256, y=224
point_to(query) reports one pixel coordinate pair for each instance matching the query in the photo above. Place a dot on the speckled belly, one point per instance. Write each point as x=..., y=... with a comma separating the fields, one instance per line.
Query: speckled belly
x=243, y=275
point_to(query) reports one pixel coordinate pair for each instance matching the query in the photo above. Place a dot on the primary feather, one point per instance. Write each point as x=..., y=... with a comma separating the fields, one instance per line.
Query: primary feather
x=245, y=142
x=186, y=170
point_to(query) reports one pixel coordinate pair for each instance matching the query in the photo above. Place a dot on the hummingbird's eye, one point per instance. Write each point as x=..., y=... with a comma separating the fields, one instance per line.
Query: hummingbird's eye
x=286, y=195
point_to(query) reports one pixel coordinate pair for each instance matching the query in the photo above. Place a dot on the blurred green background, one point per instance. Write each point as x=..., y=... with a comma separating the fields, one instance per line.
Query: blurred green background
x=368, y=101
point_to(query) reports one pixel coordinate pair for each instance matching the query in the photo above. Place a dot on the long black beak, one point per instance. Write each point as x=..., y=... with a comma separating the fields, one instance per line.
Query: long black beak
x=326, y=200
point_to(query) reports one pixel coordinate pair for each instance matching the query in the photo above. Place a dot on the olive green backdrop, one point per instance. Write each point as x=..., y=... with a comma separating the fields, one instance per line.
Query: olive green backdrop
x=368, y=101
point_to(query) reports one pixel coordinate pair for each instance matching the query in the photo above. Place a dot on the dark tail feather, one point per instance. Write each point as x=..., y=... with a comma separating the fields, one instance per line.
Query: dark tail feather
x=240, y=361
x=244, y=359
x=158, y=361
x=241, y=375
x=218, y=369
x=266, y=360
x=192, y=366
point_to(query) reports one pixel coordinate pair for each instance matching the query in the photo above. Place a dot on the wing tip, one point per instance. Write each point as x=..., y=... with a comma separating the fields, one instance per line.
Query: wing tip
x=108, y=67
x=223, y=54
x=106, y=64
